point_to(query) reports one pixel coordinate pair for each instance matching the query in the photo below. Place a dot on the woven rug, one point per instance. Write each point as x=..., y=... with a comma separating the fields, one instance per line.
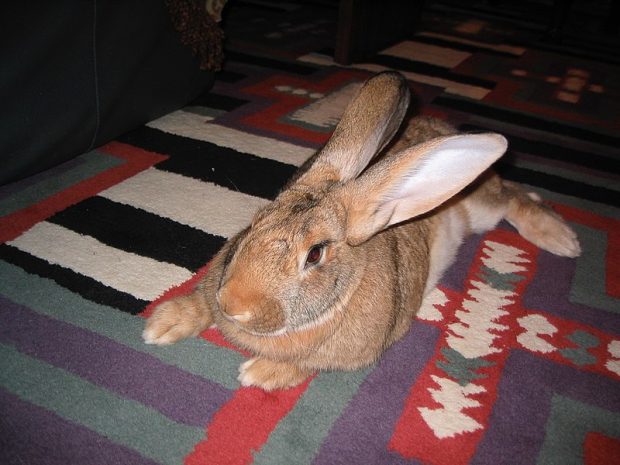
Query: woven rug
x=514, y=358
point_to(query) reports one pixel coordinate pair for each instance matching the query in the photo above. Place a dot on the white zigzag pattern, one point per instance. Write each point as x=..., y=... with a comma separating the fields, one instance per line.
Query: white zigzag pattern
x=473, y=336
x=450, y=420
x=503, y=258
x=613, y=364
x=475, y=332
x=428, y=310
x=536, y=325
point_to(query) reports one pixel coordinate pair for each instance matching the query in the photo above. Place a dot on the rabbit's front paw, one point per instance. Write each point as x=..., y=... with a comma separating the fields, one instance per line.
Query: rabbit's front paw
x=176, y=319
x=270, y=375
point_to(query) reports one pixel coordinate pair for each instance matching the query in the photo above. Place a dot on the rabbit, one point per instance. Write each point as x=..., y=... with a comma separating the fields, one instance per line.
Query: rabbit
x=333, y=271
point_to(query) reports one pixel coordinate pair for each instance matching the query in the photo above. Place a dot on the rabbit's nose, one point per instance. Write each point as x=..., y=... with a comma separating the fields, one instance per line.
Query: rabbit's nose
x=237, y=302
x=250, y=307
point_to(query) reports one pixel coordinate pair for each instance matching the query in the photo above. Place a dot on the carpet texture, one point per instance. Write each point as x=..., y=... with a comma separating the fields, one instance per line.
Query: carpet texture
x=514, y=358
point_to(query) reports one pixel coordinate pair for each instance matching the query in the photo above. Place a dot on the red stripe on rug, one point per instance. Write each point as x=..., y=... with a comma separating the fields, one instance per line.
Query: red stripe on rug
x=467, y=412
x=612, y=227
x=503, y=96
x=283, y=104
x=243, y=425
x=599, y=449
x=14, y=224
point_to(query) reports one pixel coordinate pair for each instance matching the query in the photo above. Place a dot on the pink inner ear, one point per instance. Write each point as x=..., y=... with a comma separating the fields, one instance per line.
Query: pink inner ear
x=417, y=180
x=445, y=167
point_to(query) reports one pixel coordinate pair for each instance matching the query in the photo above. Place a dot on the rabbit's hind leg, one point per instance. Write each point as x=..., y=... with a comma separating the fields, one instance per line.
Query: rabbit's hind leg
x=538, y=223
x=492, y=199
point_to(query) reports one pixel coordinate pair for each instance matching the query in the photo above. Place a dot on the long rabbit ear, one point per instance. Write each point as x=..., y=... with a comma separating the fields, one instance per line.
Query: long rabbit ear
x=415, y=180
x=368, y=123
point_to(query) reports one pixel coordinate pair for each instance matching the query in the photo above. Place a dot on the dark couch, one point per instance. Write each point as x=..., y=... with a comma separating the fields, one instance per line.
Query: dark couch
x=76, y=74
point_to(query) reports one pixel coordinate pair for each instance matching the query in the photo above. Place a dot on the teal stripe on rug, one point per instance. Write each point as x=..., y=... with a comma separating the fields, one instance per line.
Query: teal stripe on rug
x=48, y=298
x=569, y=423
x=92, y=163
x=582, y=204
x=124, y=421
x=311, y=420
x=589, y=282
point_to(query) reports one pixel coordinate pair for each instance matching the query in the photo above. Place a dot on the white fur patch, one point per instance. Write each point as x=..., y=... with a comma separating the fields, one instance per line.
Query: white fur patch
x=446, y=242
x=244, y=377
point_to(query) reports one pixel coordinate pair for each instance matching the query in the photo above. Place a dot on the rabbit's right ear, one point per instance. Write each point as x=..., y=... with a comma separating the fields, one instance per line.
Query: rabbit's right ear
x=369, y=122
x=415, y=181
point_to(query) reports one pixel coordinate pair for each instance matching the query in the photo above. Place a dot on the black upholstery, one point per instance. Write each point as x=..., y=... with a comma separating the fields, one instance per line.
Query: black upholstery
x=76, y=74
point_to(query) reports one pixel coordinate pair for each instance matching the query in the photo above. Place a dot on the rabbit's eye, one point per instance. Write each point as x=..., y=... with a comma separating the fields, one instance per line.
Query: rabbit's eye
x=315, y=254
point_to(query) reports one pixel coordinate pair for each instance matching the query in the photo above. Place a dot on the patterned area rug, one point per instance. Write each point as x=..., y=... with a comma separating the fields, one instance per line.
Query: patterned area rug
x=514, y=358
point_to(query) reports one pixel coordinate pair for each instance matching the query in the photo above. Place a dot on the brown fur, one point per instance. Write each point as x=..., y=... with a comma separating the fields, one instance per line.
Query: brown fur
x=343, y=312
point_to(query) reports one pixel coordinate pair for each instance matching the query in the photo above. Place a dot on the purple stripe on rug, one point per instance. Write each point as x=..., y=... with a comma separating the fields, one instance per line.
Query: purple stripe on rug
x=519, y=418
x=454, y=277
x=362, y=432
x=35, y=436
x=551, y=289
x=183, y=397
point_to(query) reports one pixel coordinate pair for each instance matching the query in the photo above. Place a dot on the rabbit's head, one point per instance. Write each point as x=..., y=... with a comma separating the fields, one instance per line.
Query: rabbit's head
x=302, y=258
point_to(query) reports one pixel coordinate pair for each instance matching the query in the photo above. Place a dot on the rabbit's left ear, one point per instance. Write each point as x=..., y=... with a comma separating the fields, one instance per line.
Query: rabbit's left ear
x=415, y=181
x=368, y=123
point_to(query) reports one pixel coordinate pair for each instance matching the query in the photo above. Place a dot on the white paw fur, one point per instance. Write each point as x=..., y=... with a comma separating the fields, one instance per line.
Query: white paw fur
x=246, y=378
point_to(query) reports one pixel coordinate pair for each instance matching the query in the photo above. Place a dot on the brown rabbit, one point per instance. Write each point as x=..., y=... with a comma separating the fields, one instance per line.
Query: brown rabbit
x=333, y=271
